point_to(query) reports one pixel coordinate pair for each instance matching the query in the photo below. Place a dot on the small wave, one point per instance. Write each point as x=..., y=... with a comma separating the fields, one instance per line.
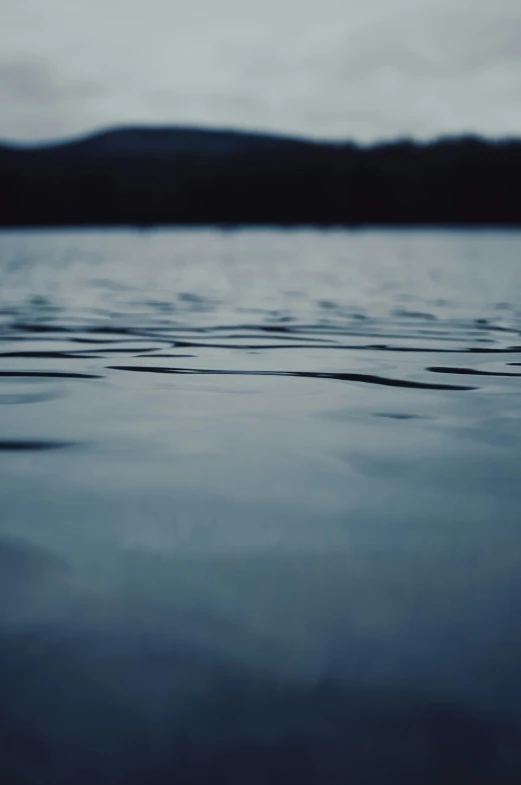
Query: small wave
x=470, y=371
x=22, y=445
x=38, y=327
x=401, y=416
x=344, y=377
x=50, y=375
x=48, y=355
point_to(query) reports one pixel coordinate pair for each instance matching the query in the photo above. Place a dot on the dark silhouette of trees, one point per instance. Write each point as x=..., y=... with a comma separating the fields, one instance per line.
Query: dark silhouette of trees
x=194, y=176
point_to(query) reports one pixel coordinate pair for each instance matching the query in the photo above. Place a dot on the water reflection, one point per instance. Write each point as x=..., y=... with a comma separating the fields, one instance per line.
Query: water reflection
x=291, y=555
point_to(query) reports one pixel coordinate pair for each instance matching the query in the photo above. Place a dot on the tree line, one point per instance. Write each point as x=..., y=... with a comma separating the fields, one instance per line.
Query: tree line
x=456, y=181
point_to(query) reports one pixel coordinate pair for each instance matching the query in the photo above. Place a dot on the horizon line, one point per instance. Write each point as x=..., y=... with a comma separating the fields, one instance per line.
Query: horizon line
x=93, y=133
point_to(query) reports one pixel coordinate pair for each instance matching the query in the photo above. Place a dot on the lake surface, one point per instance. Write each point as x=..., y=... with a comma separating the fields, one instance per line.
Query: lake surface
x=260, y=503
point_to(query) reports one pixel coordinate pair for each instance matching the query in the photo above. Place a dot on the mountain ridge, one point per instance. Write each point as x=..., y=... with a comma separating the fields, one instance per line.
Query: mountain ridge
x=182, y=174
x=135, y=139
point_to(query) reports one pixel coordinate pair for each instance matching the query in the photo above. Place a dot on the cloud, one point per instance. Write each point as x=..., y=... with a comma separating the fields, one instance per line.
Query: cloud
x=363, y=68
x=34, y=97
x=34, y=82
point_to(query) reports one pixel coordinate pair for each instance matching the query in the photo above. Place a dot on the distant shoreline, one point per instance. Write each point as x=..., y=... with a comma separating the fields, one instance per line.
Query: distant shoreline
x=252, y=227
x=146, y=178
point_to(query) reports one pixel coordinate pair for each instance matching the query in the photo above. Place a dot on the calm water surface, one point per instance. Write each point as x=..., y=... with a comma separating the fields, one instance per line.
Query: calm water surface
x=260, y=499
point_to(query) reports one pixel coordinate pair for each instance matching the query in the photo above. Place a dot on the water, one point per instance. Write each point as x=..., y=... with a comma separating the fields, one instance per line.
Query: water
x=260, y=507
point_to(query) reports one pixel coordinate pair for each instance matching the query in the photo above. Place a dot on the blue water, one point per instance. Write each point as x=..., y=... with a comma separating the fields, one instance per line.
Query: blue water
x=260, y=498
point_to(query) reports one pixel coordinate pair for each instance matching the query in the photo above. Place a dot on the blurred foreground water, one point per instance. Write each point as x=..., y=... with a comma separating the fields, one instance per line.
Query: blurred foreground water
x=260, y=507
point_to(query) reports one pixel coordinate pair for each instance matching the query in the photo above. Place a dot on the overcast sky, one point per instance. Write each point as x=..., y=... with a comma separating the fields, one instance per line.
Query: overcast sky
x=364, y=69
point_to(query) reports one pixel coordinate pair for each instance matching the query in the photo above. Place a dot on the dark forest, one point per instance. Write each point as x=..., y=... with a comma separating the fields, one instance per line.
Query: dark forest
x=157, y=176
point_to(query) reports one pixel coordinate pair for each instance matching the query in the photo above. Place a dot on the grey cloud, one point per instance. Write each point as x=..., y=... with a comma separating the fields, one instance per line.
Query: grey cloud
x=242, y=101
x=33, y=96
x=428, y=45
x=26, y=81
x=363, y=68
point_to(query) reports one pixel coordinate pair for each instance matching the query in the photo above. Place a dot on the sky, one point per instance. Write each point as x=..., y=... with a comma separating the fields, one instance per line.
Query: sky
x=342, y=69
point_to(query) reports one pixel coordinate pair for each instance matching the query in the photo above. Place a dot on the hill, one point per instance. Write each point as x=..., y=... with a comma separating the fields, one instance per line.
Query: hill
x=149, y=176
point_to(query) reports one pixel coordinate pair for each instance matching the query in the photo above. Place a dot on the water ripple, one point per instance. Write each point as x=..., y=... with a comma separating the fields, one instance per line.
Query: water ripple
x=344, y=377
x=56, y=333
x=470, y=371
x=284, y=573
x=50, y=375
x=22, y=445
